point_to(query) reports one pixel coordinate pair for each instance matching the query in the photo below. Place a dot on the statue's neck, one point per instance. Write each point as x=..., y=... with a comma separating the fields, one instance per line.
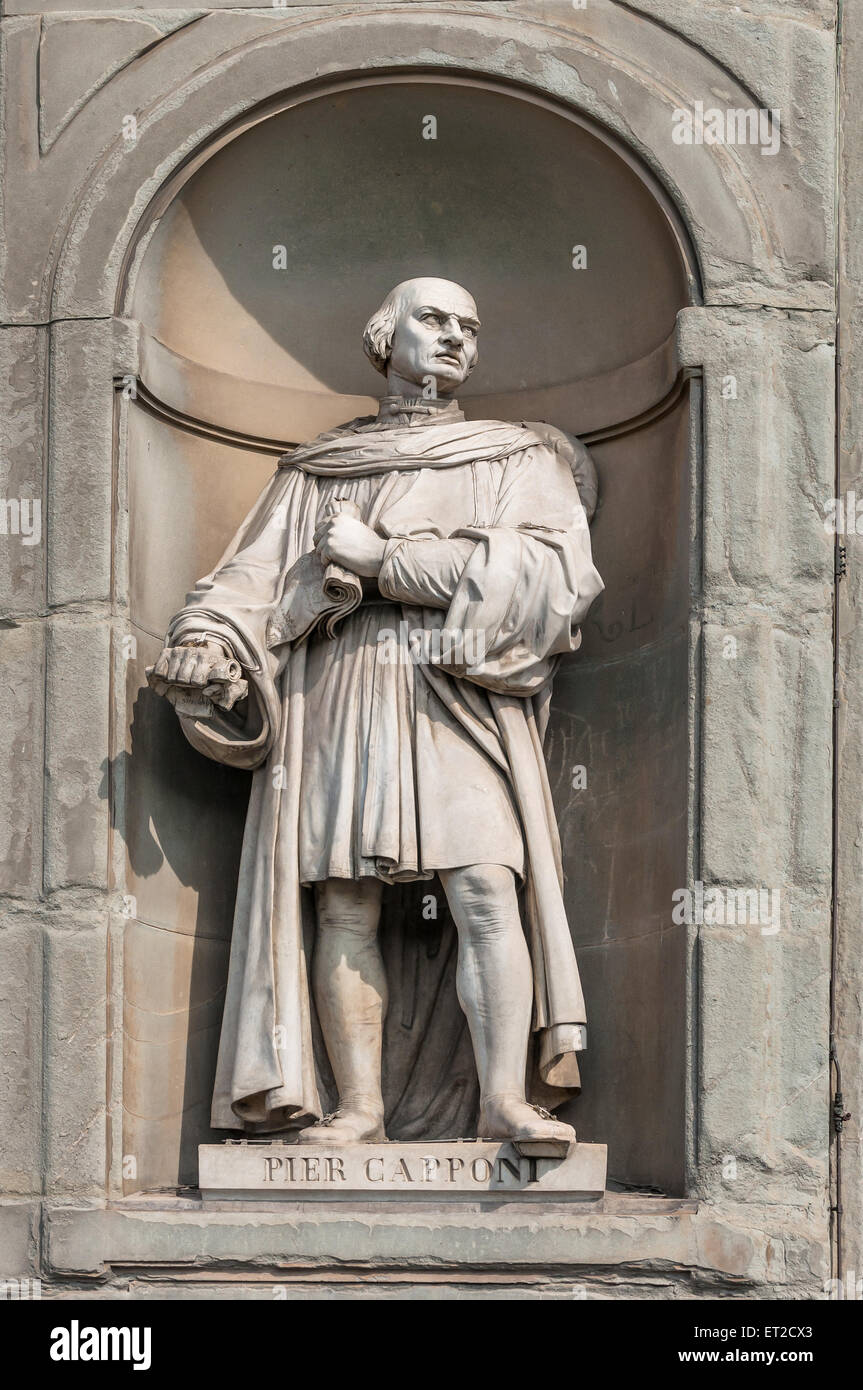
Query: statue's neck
x=418, y=410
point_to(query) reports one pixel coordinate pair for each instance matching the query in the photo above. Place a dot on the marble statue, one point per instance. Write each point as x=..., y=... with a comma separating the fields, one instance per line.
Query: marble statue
x=379, y=643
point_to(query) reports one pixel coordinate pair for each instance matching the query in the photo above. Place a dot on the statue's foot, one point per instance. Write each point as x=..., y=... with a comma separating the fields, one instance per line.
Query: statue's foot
x=345, y=1127
x=531, y=1130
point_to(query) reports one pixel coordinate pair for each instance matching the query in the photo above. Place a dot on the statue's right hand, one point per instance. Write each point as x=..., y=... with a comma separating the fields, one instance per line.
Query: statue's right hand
x=197, y=676
x=186, y=665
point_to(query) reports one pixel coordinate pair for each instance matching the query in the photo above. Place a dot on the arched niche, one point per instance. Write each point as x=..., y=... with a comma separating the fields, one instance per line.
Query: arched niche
x=239, y=357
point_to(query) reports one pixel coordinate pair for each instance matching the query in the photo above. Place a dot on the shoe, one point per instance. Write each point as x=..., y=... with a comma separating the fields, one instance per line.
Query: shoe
x=531, y=1130
x=345, y=1127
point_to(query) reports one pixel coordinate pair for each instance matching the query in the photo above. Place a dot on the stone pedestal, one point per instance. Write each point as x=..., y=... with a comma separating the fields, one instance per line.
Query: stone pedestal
x=269, y=1170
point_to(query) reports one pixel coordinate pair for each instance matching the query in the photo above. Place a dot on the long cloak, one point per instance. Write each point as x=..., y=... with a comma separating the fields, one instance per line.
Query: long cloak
x=524, y=578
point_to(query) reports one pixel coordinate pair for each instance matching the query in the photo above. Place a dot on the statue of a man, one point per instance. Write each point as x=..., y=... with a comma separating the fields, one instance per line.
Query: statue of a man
x=384, y=753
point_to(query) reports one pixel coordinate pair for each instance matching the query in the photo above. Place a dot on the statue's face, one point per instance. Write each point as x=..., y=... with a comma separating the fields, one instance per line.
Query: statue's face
x=435, y=335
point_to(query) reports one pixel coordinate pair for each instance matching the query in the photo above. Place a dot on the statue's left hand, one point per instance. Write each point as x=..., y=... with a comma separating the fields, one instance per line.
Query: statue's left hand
x=341, y=539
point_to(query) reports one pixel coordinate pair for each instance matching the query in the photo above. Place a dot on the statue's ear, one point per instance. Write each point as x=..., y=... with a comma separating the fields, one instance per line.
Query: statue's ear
x=581, y=465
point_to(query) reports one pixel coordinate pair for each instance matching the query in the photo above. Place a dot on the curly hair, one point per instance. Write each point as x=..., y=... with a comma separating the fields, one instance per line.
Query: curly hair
x=378, y=333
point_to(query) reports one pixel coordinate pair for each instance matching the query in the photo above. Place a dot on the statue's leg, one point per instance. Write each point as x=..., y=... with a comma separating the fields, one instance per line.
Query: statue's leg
x=351, y=997
x=495, y=989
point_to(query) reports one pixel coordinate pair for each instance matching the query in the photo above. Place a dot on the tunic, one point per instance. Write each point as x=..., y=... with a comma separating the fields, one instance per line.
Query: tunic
x=434, y=799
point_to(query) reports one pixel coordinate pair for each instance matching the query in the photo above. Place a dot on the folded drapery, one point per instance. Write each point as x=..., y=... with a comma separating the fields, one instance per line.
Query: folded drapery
x=519, y=573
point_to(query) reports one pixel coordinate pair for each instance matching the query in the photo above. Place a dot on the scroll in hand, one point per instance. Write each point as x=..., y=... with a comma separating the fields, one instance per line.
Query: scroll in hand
x=224, y=686
x=315, y=595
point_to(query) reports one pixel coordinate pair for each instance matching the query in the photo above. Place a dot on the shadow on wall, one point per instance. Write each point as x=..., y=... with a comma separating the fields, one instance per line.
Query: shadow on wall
x=354, y=198
x=184, y=824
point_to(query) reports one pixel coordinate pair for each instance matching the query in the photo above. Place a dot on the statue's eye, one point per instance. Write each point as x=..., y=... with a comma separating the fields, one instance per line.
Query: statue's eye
x=431, y=318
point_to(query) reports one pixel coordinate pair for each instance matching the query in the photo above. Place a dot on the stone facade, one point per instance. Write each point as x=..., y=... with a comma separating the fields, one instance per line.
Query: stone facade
x=108, y=112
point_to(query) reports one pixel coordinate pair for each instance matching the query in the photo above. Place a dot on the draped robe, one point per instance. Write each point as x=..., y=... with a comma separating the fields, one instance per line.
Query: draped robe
x=485, y=535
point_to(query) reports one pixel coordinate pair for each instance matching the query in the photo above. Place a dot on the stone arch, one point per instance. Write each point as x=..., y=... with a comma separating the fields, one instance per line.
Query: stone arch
x=730, y=198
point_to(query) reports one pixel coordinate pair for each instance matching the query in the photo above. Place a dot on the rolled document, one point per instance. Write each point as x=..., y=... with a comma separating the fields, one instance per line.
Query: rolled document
x=315, y=595
x=344, y=592
x=229, y=672
x=342, y=588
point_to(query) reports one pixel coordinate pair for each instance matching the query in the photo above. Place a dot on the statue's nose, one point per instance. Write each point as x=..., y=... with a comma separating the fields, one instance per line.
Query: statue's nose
x=452, y=333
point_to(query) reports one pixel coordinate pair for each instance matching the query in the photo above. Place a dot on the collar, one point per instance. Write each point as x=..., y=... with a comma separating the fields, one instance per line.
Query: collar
x=417, y=410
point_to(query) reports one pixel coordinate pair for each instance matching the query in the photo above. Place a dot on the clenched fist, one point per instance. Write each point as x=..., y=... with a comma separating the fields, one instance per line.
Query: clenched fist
x=343, y=539
x=194, y=678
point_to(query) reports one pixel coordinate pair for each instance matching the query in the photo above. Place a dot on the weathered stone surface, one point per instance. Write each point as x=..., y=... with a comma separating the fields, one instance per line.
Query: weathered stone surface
x=78, y=56
x=75, y=1060
x=426, y=1288
x=763, y=1063
x=19, y=1239
x=22, y=548
x=766, y=758
x=747, y=1250
x=768, y=462
x=76, y=752
x=78, y=512
x=849, y=751
x=21, y=755
x=20, y=1059
x=774, y=48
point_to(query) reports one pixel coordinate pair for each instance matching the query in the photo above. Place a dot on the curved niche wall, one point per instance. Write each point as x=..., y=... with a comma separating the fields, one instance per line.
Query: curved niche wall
x=252, y=292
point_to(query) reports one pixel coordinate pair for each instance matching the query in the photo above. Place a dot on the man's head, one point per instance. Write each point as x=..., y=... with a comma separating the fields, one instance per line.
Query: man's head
x=424, y=332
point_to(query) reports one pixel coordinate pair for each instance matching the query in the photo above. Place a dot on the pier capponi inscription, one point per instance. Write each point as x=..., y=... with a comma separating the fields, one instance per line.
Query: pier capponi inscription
x=273, y=1170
